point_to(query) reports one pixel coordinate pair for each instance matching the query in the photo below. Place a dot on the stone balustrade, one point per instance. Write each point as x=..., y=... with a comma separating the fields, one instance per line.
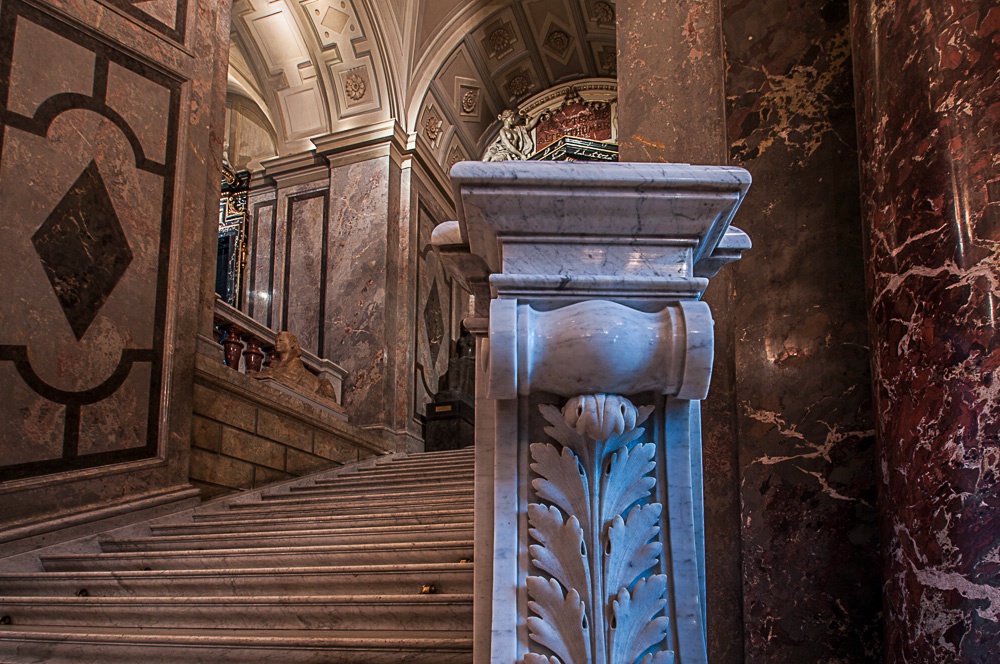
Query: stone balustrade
x=248, y=346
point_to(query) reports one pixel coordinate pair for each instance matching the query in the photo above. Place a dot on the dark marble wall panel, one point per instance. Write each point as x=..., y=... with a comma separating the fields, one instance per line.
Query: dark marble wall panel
x=305, y=268
x=356, y=284
x=433, y=340
x=260, y=268
x=807, y=457
x=929, y=100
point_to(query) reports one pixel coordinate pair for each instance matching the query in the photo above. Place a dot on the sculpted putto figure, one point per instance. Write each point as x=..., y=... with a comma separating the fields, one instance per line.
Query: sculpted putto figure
x=515, y=141
x=287, y=368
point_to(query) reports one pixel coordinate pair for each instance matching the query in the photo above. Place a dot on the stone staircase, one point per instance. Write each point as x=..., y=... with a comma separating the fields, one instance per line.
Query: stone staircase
x=370, y=563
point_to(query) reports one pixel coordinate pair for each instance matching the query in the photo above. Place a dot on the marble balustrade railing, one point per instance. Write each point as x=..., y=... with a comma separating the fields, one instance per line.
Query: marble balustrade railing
x=248, y=346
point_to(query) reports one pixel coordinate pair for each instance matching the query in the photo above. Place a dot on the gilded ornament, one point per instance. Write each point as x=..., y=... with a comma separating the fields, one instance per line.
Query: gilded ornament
x=469, y=101
x=432, y=127
x=519, y=85
x=558, y=41
x=500, y=41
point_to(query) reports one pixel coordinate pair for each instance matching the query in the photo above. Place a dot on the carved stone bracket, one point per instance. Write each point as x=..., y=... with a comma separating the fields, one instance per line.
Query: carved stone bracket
x=594, y=275
x=599, y=345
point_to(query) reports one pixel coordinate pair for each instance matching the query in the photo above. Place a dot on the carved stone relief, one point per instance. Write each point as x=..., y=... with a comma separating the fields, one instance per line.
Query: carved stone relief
x=595, y=527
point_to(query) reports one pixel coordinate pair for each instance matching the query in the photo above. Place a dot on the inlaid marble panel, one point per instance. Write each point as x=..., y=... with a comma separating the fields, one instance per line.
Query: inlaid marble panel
x=87, y=189
x=433, y=329
x=356, y=284
x=305, y=268
x=261, y=283
x=167, y=17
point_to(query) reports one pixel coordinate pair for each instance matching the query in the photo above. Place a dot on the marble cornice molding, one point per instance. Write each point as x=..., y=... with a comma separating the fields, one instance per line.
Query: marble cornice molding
x=299, y=168
x=378, y=133
x=604, y=261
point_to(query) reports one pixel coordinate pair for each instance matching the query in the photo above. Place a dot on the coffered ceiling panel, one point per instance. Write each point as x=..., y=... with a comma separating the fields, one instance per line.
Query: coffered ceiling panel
x=330, y=65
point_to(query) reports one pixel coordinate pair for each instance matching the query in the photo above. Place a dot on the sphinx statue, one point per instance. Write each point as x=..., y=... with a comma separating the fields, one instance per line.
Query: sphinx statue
x=286, y=367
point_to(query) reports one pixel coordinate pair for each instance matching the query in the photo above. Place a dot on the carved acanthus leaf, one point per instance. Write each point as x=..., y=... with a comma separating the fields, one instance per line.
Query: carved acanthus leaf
x=562, y=482
x=599, y=416
x=533, y=658
x=635, y=629
x=606, y=543
x=561, y=625
x=560, y=550
x=630, y=552
x=626, y=481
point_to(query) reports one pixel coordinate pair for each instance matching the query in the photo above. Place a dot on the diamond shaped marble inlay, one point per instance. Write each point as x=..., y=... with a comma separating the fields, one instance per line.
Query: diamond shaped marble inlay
x=433, y=320
x=83, y=249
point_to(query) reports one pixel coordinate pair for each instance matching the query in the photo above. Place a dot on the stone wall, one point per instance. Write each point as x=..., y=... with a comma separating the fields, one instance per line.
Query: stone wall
x=246, y=434
x=339, y=255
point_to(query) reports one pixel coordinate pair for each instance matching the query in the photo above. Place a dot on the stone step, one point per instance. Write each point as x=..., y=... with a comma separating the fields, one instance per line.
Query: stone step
x=60, y=645
x=227, y=522
x=326, y=505
x=305, y=537
x=430, y=466
x=298, y=556
x=401, y=613
x=388, y=472
x=347, y=484
x=465, y=452
x=448, y=578
x=371, y=496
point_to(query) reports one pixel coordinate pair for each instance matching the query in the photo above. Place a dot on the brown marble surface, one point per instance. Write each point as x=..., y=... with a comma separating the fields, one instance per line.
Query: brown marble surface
x=807, y=457
x=355, y=306
x=671, y=81
x=671, y=76
x=929, y=100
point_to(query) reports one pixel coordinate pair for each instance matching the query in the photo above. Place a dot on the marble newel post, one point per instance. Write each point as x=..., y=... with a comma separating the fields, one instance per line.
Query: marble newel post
x=599, y=350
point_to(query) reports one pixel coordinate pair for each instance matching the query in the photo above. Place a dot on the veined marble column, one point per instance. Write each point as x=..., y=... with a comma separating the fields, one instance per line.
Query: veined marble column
x=597, y=354
x=929, y=117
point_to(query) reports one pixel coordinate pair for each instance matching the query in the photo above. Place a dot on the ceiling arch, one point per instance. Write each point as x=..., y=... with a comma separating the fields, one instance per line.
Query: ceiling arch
x=443, y=69
x=318, y=63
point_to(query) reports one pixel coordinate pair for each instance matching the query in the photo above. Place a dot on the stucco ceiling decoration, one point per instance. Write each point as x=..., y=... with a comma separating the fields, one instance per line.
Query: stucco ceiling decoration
x=319, y=67
x=510, y=52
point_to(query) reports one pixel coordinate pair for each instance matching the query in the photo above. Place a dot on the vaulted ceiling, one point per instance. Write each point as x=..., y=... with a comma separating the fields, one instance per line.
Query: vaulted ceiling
x=441, y=68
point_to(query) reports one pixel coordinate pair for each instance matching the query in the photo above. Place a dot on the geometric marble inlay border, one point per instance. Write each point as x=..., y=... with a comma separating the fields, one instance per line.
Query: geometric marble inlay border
x=134, y=8
x=12, y=14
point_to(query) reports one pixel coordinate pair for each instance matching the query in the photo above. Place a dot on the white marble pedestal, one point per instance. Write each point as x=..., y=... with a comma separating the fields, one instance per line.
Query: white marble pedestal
x=594, y=353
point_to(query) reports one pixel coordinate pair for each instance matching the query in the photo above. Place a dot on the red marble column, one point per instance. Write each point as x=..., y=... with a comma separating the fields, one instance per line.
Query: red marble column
x=929, y=118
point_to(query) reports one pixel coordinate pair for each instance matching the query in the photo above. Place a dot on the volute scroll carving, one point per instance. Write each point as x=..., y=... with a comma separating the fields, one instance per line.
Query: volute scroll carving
x=595, y=527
